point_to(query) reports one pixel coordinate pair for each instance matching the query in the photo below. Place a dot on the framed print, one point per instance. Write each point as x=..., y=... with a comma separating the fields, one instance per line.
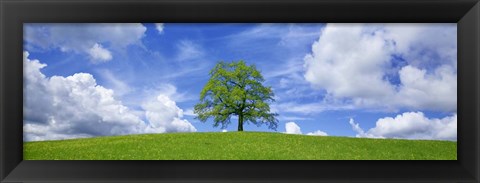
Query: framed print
x=248, y=91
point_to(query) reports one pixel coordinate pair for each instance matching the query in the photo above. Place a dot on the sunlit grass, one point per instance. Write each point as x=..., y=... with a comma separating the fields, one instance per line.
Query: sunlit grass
x=238, y=146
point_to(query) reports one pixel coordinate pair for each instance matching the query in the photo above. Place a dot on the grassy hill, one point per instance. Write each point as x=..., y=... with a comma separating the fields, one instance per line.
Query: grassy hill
x=238, y=146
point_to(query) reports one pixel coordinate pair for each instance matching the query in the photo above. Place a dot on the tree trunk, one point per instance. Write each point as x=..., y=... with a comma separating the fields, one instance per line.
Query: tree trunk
x=240, y=122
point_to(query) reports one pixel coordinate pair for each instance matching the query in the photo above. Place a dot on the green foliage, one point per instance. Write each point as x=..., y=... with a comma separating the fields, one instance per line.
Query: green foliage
x=236, y=89
x=238, y=146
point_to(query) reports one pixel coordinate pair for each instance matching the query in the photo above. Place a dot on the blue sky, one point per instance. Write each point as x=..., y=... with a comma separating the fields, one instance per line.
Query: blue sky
x=357, y=80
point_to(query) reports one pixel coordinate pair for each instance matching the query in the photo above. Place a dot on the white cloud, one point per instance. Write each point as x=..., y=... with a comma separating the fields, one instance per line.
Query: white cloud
x=424, y=44
x=36, y=98
x=289, y=72
x=261, y=31
x=356, y=127
x=436, y=91
x=292, y=128
x=98, y=53
x=310, y=108
x=360, y=132
x=73, y=106
x=411, y=125
x=290, y=118
x=297, y=36
x=224, y=130
x=120, y=86
x=76, y=106
x=318, y=133
x=292, y=35
x=163, y=113
x=188, y=50
x=345, y=58
x=186, y=70
x=89, y=39
x=159, y=27
x=170, y=91
x=353, y=61
x=189, y=112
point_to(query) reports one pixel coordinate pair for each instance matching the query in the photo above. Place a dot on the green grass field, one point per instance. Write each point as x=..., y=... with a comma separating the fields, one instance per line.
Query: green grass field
x=238, y=146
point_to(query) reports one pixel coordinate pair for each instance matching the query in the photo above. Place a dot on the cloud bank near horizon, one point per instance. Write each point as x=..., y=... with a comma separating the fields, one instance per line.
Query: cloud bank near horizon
x=76, y=106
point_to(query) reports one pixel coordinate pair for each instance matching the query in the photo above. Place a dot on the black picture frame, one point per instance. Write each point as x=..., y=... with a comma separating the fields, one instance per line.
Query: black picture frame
x=13, y=13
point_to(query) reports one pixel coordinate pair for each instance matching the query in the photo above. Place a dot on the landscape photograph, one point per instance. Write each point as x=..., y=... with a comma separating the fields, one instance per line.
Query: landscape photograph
x=239, y=91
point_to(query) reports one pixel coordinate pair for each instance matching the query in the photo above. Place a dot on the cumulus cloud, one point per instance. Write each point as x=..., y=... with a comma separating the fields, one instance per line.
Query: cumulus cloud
x=164, y=114
x=292, y=128
x=411, y=125
x=76, y=106
x=360, y=62
x=97, y=52
x=345, y=58
x=73, y=106
x=170, y=91
x=89, y=39
x=424, y=44
x=159, y=27
x=224, y=130
x=422, y=90
x=318, y=133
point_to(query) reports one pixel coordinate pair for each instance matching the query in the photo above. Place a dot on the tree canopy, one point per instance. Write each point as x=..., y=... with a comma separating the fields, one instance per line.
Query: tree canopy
x=236, y=89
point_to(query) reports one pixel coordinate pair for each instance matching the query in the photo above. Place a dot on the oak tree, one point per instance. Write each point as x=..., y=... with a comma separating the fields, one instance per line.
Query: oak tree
x=236, y=89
